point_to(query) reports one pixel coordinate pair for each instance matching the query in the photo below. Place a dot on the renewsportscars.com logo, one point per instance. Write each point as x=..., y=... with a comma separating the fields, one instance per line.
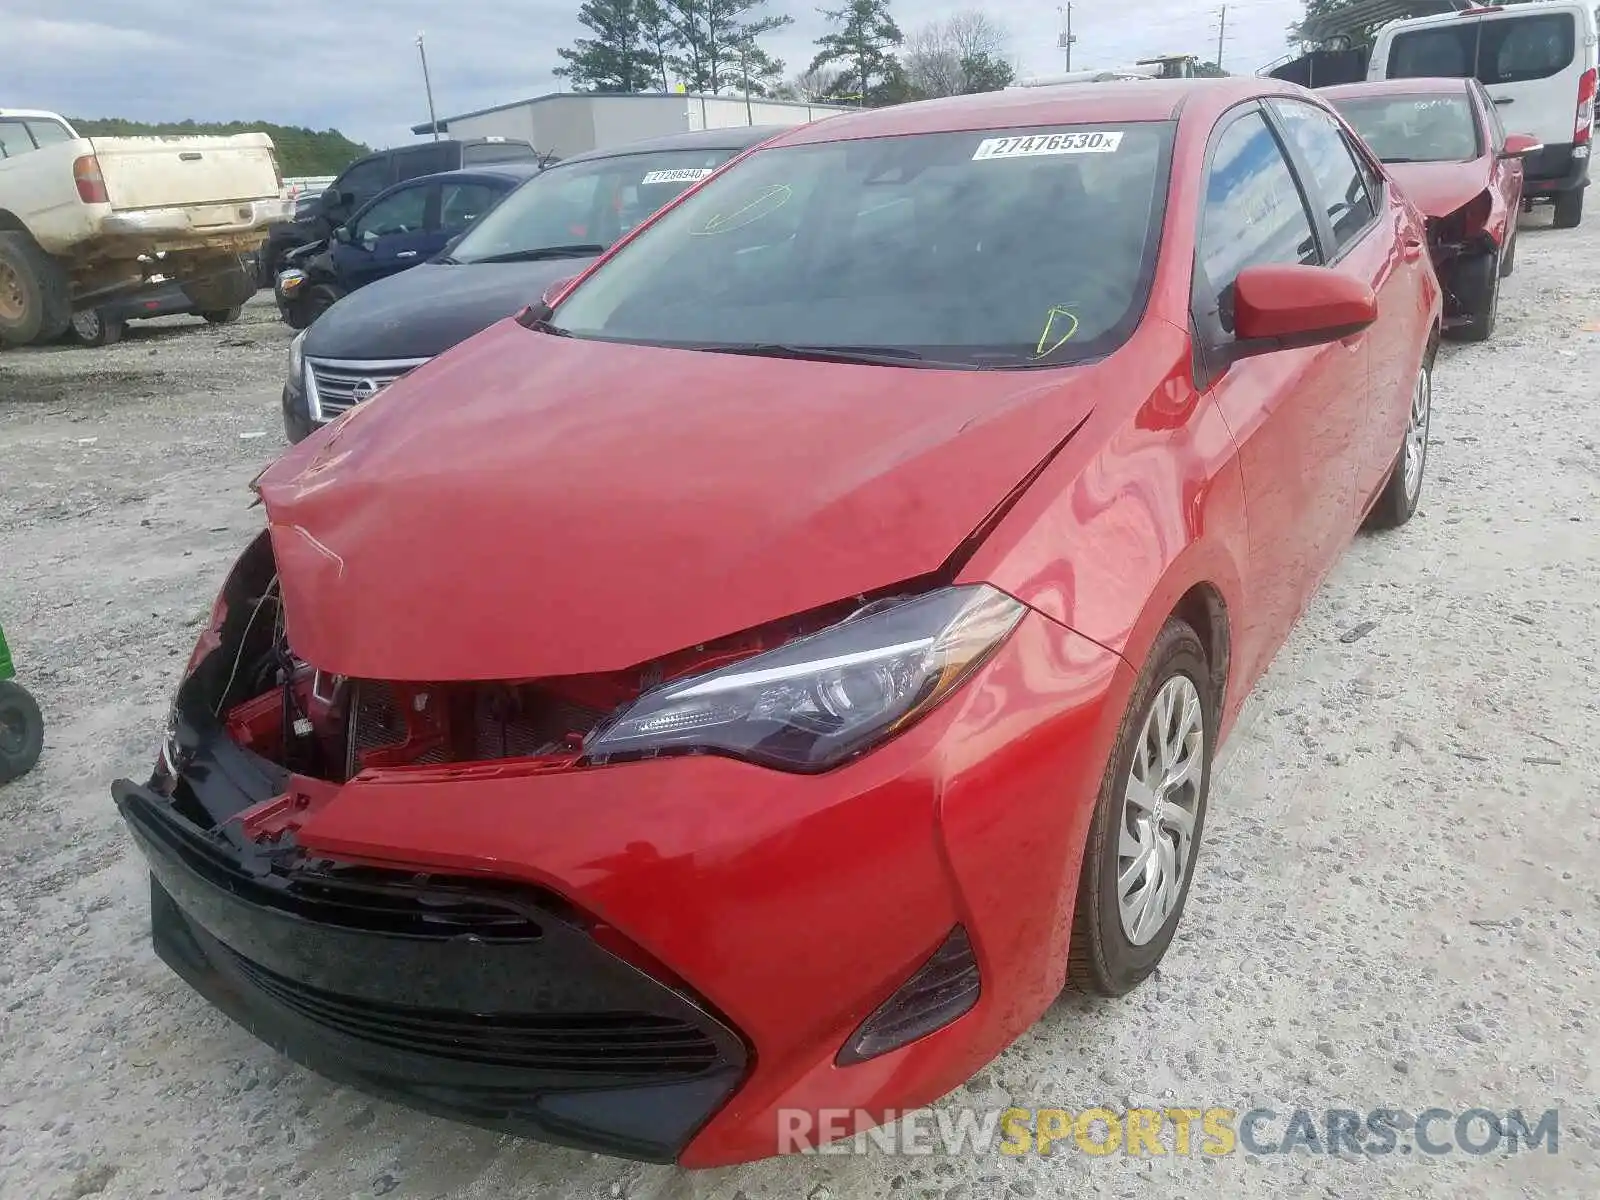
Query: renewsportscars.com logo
x=1178, y=1131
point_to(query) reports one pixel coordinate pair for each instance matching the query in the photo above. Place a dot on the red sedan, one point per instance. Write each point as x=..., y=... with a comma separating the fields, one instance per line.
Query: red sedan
x=751, y=689
x=1442, y=141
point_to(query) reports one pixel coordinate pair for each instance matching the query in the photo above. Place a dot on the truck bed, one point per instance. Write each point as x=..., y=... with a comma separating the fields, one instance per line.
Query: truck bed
x=186, y=172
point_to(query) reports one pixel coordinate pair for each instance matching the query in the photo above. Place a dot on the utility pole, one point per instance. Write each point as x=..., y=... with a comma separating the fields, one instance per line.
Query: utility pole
x=433, y=120
x=1065, y=40
x=1222, y=32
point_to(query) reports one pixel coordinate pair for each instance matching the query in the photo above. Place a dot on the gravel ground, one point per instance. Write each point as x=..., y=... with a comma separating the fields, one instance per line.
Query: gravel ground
x=1395, y=905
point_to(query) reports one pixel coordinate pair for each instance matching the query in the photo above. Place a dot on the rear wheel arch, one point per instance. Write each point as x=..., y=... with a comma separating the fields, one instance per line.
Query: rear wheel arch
x=11, y=223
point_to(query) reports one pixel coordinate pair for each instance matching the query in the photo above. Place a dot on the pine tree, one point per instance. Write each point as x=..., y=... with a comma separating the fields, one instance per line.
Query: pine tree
x=861, y=47
x=710, y=36
x=616, y=58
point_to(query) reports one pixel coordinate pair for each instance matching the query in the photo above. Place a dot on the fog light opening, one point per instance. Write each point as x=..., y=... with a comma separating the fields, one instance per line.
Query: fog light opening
x=942, y=989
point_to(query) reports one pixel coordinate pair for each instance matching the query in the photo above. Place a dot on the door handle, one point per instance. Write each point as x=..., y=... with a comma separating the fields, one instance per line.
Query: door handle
x=1504, y=100
x=405, y=254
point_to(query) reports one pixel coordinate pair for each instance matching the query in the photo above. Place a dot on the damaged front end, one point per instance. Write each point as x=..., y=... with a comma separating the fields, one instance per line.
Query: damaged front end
x=489, y=1001
x=1465, y=255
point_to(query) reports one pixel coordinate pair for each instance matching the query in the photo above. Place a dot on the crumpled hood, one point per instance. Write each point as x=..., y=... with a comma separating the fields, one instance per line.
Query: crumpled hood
x=429, y=308
x=1438, y=189
x=533, y=505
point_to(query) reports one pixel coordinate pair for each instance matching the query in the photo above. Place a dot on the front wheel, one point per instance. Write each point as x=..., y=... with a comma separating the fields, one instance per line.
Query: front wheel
x=21, y=731
x=223, y=316
x=1401, y=494
x=1147, y=821
x=1477, y=288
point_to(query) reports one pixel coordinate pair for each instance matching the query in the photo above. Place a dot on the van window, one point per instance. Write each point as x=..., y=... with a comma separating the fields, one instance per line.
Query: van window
x=1506, y=50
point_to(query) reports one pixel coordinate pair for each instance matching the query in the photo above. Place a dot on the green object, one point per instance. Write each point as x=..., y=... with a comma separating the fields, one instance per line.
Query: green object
x=21, y=726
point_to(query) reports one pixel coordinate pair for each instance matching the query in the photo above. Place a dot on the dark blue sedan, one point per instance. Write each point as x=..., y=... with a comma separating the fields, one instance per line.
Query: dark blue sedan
x=408, y=224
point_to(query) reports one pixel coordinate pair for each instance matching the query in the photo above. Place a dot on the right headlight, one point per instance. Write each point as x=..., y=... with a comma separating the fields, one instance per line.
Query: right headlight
x=819, y=700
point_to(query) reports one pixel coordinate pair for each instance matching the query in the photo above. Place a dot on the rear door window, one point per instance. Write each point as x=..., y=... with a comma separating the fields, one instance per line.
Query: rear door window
x=48, y=133
x=14, y=139
x=1335, y=174
x=1506, y=50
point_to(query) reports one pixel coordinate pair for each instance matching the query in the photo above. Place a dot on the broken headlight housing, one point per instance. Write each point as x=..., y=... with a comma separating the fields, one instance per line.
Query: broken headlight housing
x=819, y=700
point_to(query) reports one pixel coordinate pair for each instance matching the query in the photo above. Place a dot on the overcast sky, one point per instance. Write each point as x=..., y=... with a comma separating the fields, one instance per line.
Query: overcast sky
x=352, y=64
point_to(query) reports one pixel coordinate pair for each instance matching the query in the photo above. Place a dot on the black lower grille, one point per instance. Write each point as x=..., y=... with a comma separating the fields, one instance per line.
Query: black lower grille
x=625, y=1044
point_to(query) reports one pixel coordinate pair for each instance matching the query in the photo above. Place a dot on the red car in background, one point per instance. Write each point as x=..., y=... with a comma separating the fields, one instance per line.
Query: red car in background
x=751, y=689
x=1443, y=142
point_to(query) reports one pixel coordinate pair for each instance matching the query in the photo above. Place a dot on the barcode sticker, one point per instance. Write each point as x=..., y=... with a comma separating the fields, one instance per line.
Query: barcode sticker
x=681, y=175
x=1099, y=142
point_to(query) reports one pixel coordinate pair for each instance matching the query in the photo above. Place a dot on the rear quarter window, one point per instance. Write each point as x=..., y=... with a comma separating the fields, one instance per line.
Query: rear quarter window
x=1508, y=50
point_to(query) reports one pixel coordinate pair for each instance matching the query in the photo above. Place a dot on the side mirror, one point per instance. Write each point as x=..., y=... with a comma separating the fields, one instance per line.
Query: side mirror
x=330, y=200
x=549, y=296
x=1520, y=145
x=341, y=234
x=1285, y=307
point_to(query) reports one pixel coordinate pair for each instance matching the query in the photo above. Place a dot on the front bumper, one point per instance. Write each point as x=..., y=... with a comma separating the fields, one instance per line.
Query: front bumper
x=772, y=913
x=471, y=1001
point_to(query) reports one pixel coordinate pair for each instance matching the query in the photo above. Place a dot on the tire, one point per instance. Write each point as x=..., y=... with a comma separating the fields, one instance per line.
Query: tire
x=1397, y=503
x=220, y=290
x=92, y=327
x=35, y=297
x=1508, y=256
x=1569, y=209
x=21, y=731
x=223, y=316
x=1108, y=957
x=1477, y=288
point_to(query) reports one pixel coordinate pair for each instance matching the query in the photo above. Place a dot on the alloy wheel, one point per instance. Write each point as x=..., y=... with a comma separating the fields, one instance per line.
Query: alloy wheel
x=1160, y=805
x=1416, y=451
x=86, y=324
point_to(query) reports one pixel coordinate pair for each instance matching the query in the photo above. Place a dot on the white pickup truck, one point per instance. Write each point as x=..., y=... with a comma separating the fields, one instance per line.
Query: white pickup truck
x=86, y=220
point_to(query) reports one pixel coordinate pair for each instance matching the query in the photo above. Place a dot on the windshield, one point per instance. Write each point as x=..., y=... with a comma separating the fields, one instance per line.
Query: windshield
x=1414, y=128
x=991, y=248
x=585, y=205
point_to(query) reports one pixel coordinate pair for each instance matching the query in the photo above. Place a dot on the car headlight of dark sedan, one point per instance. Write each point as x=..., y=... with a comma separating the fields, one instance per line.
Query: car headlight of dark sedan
x=813, y=703
x=297, y=362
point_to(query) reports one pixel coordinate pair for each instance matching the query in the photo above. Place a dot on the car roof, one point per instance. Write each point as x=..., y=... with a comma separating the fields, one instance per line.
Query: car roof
x=1055, y=104
x=732, y=137
x=1396, y=87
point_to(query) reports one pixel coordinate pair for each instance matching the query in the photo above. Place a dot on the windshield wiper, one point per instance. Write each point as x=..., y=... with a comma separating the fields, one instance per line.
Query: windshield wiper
x=883, y=356
x=579, y=250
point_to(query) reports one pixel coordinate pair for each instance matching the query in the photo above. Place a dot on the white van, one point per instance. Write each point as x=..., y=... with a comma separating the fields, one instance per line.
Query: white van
x=1537, y=60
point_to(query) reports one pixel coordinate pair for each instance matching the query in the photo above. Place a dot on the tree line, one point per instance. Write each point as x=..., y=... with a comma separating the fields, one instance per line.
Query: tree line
x=714, y=46
x=300, y=151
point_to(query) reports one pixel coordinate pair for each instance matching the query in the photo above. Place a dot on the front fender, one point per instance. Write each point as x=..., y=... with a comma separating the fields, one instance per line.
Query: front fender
x=1145, y=503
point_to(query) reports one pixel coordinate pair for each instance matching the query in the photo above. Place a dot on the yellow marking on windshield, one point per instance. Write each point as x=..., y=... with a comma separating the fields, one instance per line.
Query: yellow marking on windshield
x=1059, y=326
x=774, y=197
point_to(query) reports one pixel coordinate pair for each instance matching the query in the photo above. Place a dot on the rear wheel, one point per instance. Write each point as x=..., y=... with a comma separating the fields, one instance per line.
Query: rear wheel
x=35, y=299
x=94, y=327
x=1401, y=493
x=1569, y=209
x=21, y=731
x=223, y=316
x=1147, y=821
x=1477, y=289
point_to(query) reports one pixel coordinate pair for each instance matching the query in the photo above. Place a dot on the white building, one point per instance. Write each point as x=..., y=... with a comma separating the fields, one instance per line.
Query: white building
x=568, y=123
